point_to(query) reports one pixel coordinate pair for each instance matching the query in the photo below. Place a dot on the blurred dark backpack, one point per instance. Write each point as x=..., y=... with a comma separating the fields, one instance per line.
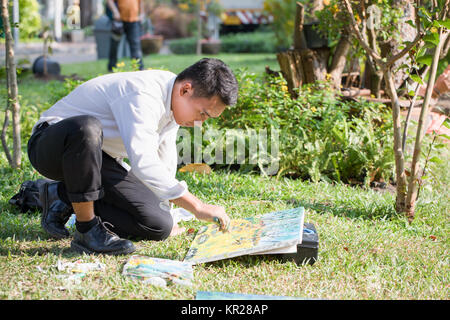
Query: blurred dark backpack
x=27, y=199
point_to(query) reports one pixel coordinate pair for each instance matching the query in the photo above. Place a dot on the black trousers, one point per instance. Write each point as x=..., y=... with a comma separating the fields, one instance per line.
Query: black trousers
x=132, y=31
x=69, y=151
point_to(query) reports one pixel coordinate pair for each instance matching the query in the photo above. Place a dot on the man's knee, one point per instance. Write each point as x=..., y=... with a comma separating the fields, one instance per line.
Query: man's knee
x=158, y=227
x=88, y=129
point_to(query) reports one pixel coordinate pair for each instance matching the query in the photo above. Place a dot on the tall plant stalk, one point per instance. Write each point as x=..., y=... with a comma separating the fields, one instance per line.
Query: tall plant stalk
x=13, y=93
x=406, y=190
x=415, y=174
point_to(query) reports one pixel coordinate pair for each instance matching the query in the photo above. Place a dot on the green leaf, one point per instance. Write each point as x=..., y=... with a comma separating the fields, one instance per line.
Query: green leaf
x=416, y=78
x=435, y=160
x=426, y=59
x=447, y=123
x=411, y=23
x=429, y=45
x=432, y=37
x=440, y=146
x=446, y=136
x=423, y=12
x=442, y=23
x=404, y=66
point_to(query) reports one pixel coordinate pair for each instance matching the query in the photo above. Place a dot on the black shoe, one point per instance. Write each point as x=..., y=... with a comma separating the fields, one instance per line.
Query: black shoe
x=55, y=212
x=101, y=240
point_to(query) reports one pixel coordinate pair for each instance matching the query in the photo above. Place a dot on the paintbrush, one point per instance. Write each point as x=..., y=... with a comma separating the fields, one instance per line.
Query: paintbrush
x=217, y=220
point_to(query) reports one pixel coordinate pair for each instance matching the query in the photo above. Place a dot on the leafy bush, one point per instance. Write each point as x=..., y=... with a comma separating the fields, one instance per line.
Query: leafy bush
x=254, y=42
x=246, y=42
x=321, y=137
x=30, y=19
x=183, y=45
x=283, y=13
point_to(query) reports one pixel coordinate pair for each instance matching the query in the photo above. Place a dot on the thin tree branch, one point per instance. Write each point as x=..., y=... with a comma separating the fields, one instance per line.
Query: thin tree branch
x=420, y=34
x=399, y=55
x=411, y=107
x=446, y=48
x=357, y=33
x=13, y=99
x=5, y=18
x=444, y=12
x=3, y=137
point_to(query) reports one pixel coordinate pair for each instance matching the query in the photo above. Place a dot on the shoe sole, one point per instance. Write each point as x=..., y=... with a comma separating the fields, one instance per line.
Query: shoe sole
x=44, y=217
x=81, y=249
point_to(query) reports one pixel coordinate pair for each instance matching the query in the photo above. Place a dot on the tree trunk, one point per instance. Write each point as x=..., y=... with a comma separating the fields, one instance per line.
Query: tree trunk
x=13, y=99
x=340, y=59
x=292, y=69
x=399, y=156
x=302, y=65
x=315, y=64
x=408, y=33
x=415, y=175
x=373, y=78
x=85, y=13
x=299, y=37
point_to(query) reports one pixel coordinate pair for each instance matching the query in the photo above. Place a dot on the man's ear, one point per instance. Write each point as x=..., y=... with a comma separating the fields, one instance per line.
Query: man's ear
x=186, y=88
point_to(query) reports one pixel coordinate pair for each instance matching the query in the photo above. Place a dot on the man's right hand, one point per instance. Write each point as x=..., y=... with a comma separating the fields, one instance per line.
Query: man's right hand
x=208, y=212
x=203, y=211
x=116, y=16
x=115, y=11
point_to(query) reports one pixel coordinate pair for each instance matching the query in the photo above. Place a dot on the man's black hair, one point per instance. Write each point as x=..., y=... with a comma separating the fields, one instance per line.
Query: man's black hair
x=212, y=77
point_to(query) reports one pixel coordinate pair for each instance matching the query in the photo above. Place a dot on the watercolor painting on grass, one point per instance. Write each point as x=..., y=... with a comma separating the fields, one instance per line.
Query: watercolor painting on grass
x=275, y=232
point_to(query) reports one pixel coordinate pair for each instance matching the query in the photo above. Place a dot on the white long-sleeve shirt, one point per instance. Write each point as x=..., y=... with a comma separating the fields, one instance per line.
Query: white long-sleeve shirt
x=134, y=109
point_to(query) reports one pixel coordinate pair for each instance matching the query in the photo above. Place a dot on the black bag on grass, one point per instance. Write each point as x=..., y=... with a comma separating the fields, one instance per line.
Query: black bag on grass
x=27, y=199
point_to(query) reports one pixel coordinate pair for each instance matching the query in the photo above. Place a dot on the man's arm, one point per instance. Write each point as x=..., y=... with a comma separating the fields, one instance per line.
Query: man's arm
x=203, y=211
x=141, y=11
x=112, y=6
x=136, y=116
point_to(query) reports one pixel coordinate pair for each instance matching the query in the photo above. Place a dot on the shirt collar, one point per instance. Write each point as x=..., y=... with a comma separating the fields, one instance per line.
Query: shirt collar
x=168, y=102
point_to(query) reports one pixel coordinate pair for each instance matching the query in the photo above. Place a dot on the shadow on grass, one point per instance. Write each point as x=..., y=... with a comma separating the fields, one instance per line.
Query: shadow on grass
x=39, y=249
x=245, y=261
x=22, y=234
x=372, y=211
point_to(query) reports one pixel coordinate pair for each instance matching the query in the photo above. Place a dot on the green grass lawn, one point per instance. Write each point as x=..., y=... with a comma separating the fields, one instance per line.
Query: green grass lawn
x=366, y=250
x=176, y=63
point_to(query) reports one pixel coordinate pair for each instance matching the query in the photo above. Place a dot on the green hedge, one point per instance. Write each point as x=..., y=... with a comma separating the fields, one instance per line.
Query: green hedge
x=254, y=42
x=183, y=46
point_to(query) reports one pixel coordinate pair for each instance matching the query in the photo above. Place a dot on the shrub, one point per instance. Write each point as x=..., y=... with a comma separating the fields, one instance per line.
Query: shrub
x=183, y=46
x=321, y=137
x=30, y=19
x=29, y=22
x=246, y=42
x=254, y=42
x=283, y=13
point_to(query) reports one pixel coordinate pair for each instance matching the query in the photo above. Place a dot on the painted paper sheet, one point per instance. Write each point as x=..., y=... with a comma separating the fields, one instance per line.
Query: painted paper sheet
x=158, y=271
x=263, y=234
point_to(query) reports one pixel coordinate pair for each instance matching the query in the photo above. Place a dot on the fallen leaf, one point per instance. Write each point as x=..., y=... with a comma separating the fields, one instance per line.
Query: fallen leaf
x=259, y=201
x=196, y=167
x=346, y=249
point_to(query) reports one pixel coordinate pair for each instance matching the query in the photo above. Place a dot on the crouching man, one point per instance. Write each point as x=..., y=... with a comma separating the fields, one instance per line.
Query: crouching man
x=81, y=141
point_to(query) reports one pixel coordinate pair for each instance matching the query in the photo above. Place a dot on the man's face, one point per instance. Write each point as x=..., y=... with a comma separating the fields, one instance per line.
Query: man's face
x=189, y=110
